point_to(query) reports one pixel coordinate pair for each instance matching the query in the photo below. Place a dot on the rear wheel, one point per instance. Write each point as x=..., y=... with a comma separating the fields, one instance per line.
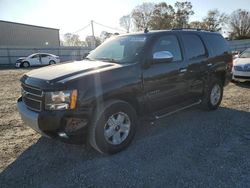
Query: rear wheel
x=113, y=127
x=26, y=64
x=213, y=96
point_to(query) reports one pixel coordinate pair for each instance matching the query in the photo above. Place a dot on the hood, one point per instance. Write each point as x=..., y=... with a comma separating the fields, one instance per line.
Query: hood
x=242, y=61
x=21, y=58
x=60, y=72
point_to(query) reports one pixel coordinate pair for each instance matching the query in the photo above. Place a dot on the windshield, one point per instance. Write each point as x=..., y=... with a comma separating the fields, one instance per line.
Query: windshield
x=123, y=49
x=245, y=54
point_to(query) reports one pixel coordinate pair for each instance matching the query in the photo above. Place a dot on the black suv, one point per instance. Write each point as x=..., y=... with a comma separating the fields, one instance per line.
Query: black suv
x=152, y=74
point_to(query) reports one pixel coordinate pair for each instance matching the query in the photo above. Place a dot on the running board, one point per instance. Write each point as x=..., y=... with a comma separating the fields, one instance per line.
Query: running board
x=175, y=111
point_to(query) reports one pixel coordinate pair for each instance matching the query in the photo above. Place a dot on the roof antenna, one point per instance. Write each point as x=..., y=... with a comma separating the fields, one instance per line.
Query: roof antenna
x=146, y=30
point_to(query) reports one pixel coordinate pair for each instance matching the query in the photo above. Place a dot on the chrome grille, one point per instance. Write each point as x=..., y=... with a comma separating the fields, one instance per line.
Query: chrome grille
x=238, y=68
x=32, y=97
x=245, y=68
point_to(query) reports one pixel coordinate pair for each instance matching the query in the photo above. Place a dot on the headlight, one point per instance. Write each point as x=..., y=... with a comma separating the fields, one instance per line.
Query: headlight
x=60, y=100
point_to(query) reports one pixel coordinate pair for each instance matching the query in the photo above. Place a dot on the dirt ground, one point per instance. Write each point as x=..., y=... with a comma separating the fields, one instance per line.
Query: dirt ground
x=15, y=138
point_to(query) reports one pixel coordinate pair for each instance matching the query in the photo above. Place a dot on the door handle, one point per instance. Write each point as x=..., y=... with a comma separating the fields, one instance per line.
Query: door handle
x=209, y=64
x=182, y=70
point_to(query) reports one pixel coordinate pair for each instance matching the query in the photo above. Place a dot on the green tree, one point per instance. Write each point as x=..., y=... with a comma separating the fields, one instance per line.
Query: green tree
x=240, y=24
x=182, y=14
x=196, y=25
x=141, y=15
x=214, y=21
x=72, y=40
x=162, y=17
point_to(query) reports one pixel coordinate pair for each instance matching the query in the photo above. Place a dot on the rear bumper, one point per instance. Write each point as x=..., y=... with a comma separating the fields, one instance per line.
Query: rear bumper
x=56, y=124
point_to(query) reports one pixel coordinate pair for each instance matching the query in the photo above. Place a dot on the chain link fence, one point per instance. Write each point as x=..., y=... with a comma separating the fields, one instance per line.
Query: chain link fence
x=9, y=55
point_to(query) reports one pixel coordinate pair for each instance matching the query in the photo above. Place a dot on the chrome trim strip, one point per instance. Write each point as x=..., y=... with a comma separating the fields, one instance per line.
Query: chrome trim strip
x=33, y=89
x=180, y=109
x=25, y=93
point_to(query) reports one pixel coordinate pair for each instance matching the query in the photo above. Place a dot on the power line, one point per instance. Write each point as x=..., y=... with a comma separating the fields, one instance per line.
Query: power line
x=81, y=29
x=109, y=27
x=88, y=25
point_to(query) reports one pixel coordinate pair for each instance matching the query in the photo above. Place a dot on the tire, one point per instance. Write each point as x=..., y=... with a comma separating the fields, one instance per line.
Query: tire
x=25, y=64
x=104, y=132
x=52, y=62
x=213, y=95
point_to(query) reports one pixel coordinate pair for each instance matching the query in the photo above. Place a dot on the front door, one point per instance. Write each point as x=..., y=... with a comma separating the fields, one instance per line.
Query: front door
x=165, y=84
x=35, y=60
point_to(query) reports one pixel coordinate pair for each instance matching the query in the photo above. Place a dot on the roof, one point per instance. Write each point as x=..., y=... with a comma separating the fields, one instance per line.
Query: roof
x=181, y=30
x=27, y=25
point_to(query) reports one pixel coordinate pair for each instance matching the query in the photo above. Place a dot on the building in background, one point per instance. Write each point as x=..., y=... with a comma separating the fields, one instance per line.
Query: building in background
x=23, y=35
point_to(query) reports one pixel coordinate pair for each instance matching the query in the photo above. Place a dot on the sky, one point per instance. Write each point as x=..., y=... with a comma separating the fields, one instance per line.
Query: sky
x=72, y=15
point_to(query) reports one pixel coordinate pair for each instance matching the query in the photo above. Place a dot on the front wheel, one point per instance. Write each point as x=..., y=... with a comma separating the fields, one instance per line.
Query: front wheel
x=26, y=64
x=113, y=127
x=52, y=62
x=213, y=95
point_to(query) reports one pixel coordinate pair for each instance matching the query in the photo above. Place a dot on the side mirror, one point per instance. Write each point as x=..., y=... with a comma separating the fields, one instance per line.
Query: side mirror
x=163, y=57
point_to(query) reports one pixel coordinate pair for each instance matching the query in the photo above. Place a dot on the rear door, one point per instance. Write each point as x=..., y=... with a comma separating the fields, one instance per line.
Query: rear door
x=165, y=84
x=45, y=58
x=197, y=59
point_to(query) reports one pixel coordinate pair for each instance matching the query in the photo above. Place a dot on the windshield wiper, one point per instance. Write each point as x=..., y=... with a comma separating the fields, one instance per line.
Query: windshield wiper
x=107, y=59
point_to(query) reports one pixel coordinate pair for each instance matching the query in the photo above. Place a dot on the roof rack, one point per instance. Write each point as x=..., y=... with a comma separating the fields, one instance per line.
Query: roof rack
x=190, y=29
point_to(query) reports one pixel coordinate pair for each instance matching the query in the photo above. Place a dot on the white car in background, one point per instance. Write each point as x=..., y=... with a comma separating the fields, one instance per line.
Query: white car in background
x=37, y=59
x=241, y=67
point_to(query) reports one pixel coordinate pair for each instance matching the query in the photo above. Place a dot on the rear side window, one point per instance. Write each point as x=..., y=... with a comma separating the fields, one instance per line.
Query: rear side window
x=194, y=46
x=44, y=55
x=218, y=44
x=168, y=43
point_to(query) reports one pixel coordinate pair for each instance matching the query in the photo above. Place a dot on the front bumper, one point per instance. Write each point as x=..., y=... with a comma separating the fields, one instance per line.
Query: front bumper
x=29, y=117
x=56, y=124
x=18, y=64
x=241, y=76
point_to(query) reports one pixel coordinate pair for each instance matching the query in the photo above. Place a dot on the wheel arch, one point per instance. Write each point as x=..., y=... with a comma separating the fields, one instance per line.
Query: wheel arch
x=24, y=62
x=126, y=97
x=221, y=75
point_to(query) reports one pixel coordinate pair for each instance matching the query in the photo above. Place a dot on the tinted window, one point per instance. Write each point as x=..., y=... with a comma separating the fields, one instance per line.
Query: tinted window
x=193, y=46
x=44, y=55
x=168, y=43
x=218, y=44
x=35, y=56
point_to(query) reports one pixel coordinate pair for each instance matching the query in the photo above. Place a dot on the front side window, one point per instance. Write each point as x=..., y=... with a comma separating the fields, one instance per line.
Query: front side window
x=193, y=46
x=123, y=49
x=168, y=43
x=35, y=56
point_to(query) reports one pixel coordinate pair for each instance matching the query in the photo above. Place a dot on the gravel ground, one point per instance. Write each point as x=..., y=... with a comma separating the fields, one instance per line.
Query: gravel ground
x=192, y=148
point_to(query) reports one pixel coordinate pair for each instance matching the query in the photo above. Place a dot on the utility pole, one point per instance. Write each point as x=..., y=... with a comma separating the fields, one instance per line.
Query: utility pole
x=92, y=26
x=93, y=35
